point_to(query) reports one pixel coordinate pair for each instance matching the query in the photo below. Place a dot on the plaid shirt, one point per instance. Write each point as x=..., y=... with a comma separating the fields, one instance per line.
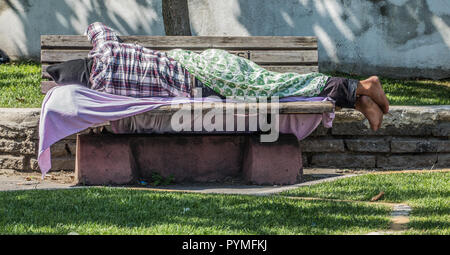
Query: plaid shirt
x=132, y=70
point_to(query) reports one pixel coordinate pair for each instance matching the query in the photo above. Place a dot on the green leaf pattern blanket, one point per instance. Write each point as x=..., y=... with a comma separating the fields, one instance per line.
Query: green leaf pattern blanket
x=233, y=76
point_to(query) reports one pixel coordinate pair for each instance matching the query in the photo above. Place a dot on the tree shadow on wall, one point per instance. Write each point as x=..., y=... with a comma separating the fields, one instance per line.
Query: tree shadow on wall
x=72, y=17
x=347, y=33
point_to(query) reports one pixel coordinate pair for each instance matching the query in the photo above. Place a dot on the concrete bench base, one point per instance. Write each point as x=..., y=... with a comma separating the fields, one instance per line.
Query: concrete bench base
x=123, y=159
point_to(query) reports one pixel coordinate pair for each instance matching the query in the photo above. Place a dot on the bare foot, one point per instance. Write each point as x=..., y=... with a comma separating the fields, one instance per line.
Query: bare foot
x=371, y=111
x=372, y=87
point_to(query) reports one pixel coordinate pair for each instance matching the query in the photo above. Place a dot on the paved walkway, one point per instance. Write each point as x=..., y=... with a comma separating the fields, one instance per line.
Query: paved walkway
x=14, y=180
x=10, y=180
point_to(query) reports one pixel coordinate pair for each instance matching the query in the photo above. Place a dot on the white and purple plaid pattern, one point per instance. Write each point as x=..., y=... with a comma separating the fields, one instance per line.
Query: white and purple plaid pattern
x=132, y=70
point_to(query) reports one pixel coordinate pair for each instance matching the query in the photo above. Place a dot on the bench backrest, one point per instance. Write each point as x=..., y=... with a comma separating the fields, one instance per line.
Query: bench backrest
x=276, y=53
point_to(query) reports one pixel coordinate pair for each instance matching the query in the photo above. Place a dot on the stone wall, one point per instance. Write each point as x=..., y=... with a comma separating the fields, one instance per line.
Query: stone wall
x=19, y=140
x=410, y=137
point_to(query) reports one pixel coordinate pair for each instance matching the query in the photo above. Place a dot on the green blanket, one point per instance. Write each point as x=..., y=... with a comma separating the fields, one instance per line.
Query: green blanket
x=233, y=76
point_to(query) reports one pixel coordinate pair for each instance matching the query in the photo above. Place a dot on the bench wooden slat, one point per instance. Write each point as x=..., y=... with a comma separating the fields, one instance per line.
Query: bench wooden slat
x=47, y=85
x=190, y=42
x=57, y=56
x=284, y=107
x=44, y=74
x=302, y=57
x=293, y=57
x=293, y=69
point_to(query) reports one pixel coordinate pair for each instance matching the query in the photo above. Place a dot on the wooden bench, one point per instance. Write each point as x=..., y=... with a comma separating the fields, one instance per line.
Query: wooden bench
x=119, y=159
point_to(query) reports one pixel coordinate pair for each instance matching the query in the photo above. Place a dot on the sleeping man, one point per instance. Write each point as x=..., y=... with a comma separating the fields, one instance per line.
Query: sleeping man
x=135, y=71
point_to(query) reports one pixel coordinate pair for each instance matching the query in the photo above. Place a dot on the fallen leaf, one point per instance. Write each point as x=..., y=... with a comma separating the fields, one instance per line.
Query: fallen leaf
x=377, y=197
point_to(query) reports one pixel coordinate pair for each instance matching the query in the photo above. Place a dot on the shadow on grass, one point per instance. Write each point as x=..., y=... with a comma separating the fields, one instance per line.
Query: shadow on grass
x=427, y=193
x=124, y=211
x=398, y=188
x=430, y=226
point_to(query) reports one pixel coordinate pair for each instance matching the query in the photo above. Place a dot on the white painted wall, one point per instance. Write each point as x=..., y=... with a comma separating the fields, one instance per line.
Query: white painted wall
x=23, y=21
x=397, y=38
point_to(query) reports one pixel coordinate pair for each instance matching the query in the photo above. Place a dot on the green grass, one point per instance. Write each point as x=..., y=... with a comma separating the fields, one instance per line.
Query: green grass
x=20, y=88
x=20, y=85
x=427, y=193
x=412, y=92
x=125, y=211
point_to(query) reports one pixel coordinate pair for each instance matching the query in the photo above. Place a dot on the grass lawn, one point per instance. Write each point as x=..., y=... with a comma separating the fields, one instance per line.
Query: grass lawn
x=427, y=193
x=412, y=92
x=129, y=211
x=20, y=87
x=126, y=211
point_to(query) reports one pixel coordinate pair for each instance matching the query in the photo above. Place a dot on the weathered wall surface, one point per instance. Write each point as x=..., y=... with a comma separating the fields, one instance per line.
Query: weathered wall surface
x=22, y=22
x=18, y=136
x=397, y=38
x=410, y=137
x=19, y=140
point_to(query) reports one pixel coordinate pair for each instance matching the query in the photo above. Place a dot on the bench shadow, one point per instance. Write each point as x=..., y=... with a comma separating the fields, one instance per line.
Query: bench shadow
x=126, y=210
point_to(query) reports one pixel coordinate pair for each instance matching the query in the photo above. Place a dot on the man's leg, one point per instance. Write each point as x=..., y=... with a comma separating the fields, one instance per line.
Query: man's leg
x=345, y=93
x=371, y=111
x=372, y=87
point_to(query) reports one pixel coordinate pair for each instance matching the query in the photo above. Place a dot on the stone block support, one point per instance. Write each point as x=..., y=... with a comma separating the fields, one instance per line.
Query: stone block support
x=273, y=163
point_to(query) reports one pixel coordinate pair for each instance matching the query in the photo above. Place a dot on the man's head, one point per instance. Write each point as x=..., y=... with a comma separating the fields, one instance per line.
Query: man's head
x=75, y=71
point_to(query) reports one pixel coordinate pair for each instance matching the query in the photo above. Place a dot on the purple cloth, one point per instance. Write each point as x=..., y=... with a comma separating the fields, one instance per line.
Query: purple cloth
x=69, y=109
x=302, y=125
